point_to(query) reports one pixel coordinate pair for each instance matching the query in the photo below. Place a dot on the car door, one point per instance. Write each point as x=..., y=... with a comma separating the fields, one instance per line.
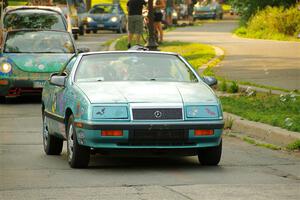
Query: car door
x=58, y=100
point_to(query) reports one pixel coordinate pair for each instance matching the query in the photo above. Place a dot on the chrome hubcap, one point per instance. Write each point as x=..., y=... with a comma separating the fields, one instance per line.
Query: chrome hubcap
x=45, y=131
x=70, y=142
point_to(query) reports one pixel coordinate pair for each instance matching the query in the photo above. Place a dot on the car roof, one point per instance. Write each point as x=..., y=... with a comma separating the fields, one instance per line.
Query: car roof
x=36, y=30
x=106, y=4
x=48, y=8
x=130, y=51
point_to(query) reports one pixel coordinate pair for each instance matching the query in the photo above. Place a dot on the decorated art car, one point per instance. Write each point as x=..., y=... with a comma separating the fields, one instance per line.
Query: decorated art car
x=138, y=102
x=34, y=17
x=28, y=57
x=207, y=10
x=106, y=17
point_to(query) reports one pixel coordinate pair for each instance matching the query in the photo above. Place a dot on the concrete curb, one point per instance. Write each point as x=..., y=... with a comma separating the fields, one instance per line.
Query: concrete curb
x=111, y=47
x=261, y=131
x=219, y=55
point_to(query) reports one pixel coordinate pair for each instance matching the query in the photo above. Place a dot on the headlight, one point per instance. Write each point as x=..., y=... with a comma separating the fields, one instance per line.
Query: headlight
x=110, y=112
x=202, y=112
x=114, y=19
x=5, y=68
x=89, y=19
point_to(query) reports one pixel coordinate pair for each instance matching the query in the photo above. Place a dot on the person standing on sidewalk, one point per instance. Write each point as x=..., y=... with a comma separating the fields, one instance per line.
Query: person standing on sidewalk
x=190, y=6
x=158, y=15
x=169, y=10
x=135, y=20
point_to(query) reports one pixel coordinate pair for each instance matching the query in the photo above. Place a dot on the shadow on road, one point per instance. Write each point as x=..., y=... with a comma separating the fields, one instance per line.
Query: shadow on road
x=146, y=163
x=23, y=100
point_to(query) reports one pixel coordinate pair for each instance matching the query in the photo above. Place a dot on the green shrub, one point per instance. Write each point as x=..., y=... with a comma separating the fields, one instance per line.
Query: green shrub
x=223, y=86
x=294, y=146
x=273, y=23
x=248, y=8
x=233, y=88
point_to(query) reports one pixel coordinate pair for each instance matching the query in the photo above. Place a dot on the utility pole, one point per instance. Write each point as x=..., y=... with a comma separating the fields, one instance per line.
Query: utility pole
x=151, y=43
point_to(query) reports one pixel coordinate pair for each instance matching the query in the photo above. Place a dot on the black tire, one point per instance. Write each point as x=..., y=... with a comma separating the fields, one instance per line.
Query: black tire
x=2, y=99
x=52, y=145
x=124, y=29
x=78, y=155
x=95, y=31
x=87, y=31
x=210, y=155
x=75, y=36
x=81, y=30
x=119, y=30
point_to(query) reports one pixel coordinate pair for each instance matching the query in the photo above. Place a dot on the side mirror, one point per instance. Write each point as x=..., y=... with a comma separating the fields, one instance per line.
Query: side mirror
x=58, y=80
x=209, y=80
x=83, y=50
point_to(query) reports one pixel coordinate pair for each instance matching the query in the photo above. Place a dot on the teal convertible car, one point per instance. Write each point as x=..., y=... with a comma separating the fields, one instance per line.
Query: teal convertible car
x=137, y=102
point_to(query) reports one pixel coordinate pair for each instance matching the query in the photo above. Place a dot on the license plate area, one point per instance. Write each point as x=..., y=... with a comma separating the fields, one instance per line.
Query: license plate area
x=166, y=137
x=38, y=84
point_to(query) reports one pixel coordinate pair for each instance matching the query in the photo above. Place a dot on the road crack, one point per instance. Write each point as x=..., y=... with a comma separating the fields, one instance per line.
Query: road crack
x=179, y=193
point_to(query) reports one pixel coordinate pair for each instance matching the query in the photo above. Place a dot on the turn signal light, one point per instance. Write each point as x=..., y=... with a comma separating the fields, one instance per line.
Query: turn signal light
x=203, y=132
x=3, y=82
x=112, y=133
x=78, y=124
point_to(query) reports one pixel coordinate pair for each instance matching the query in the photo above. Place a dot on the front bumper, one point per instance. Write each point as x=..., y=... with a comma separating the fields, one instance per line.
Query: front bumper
x=103, y=26
x=138, y=135
x=205, y=16
x=17, y=87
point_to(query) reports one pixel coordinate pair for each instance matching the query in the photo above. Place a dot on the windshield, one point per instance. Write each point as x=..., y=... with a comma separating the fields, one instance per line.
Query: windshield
x=104, y=9
x=38, y=42
x=34, y=19
x=133, y=67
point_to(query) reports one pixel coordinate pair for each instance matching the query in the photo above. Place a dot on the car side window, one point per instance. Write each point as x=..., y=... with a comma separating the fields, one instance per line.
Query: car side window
x=67, y=69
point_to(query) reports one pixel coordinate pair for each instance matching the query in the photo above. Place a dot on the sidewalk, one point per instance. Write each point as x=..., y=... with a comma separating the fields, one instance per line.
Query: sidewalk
x=264, y=62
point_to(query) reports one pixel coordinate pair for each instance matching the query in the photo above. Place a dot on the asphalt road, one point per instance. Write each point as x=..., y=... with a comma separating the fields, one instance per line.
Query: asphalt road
x=94, y=41
x=245, y=172
x=265, y=62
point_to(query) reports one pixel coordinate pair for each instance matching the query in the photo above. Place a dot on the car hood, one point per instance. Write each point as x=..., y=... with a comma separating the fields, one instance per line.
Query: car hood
x=147, y=92
x=38, y=62
x=102, y=17
x=204, y=8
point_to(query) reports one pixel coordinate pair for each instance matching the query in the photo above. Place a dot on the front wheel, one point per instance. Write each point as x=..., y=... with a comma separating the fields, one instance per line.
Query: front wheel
x=52, y=145
x=210, y=155
x=75, y=36
x=78, y=155
x=95, y=31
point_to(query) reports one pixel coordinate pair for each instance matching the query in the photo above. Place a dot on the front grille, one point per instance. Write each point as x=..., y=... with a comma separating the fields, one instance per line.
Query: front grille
x=157, y=113
x=144, y=137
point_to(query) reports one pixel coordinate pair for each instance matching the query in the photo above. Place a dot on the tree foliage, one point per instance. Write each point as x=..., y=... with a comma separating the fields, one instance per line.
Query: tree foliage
x=248, y=8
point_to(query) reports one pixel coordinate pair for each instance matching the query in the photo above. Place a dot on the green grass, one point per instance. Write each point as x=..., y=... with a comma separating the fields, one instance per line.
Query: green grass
x=248, y=33
x=266, y=87
x=256, y=143
x=17, y=3
x=122, y=2
x=266, y=108
x=294, y=146
x=196, y=54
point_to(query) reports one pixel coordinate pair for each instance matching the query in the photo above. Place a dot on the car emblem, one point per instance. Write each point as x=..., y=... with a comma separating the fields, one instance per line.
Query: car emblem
x=157, y=114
